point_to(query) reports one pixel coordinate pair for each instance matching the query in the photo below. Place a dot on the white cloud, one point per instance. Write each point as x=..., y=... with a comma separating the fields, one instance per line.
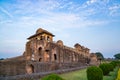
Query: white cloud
x=6, y=12
x=44, y=13
x=114, y=10
x=35, y=7
x=91, y=2
x=54, y=16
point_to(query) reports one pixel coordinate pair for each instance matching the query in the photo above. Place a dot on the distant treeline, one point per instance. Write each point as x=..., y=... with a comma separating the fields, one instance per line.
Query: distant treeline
x=1, y=58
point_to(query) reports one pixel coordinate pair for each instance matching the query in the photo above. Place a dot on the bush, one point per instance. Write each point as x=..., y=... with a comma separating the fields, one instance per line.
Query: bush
x=94, y=73
x=52, y=77
x=105, y=68
x=111, y=67
x=115, y=63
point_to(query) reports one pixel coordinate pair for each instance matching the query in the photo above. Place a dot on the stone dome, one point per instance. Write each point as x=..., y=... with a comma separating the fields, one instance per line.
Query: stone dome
x=60, y=42
x=40, y=30
x=77, y=45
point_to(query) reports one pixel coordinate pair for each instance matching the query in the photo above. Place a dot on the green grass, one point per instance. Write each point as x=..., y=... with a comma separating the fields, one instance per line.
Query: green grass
x=81, y=75
x=75, y=75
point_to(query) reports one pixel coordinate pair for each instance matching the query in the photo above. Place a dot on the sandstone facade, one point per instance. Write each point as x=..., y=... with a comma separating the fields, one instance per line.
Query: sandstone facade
x=42, y=54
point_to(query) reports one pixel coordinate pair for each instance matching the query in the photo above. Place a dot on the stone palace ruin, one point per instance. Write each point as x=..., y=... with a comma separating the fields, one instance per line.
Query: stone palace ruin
x=42, y=54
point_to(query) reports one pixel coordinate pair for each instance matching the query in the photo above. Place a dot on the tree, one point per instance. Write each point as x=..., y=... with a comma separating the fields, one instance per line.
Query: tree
x=117, y=56
x=1, y=58
x=99, y=55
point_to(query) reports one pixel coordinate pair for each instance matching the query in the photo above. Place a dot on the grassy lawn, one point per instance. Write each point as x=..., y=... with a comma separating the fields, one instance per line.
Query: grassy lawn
x=81, y=75
x=75, y=75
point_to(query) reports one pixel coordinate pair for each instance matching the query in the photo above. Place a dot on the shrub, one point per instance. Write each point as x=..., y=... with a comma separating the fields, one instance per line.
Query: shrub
x=105, y=68
x=115, y=63
x=52, y=77
x=111, y=67
x=94, y=73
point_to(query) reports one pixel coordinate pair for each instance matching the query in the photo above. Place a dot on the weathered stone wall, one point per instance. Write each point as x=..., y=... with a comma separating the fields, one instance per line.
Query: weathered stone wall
x=43, y=55
x=52, y=55
x=93, y=59
x=10, y=68
x=40, y=50
x=51, y=66
x=37, y=76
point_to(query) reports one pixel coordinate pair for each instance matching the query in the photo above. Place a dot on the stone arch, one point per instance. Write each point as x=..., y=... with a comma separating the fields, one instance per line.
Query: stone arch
x=40, y=51
x=48, y=38
x=40, y=59
x=55, y=57
x=46, y=56
x=40, y=54
x=30, y=69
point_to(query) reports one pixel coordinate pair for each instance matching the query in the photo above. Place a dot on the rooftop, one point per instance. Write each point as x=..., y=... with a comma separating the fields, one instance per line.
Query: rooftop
x=40, y=31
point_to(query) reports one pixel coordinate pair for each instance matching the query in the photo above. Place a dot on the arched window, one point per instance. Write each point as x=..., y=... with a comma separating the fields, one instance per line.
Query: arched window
x=48, y=38
x=40, y=51
x=40, y=59
x=42, y=37
x=55, y=57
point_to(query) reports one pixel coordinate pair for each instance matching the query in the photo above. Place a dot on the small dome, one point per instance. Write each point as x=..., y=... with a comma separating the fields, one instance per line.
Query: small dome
x=77, y=45
x=92, y=55
x=40, y=30
x=60, y=42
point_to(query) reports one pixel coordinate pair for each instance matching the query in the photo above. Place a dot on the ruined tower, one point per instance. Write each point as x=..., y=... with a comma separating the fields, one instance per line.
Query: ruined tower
x=36, y=46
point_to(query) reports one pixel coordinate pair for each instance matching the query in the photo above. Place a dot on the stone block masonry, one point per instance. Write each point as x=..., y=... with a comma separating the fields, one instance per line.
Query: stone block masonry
x=43, y=55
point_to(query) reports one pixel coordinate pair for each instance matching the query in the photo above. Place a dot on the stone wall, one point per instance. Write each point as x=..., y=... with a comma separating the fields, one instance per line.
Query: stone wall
x=51, y=66
x=43, y=55
x=10, y=68
x=37, y=76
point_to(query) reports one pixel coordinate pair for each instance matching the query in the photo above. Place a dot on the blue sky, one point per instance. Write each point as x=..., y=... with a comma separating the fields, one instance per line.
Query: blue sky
x=92, y=23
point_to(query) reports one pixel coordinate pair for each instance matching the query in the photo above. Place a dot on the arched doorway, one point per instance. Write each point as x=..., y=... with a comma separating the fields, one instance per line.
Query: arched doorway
x=30, y=69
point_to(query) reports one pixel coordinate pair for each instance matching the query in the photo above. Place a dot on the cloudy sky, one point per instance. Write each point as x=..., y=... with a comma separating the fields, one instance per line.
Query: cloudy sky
x=92, y=23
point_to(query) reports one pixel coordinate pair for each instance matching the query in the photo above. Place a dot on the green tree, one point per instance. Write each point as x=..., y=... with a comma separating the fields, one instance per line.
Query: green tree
x=117, y=56
x=1, y=58
x=99, y=55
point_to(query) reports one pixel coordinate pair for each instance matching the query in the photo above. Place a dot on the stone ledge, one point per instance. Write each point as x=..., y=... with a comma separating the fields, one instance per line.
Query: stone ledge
x=35, y=76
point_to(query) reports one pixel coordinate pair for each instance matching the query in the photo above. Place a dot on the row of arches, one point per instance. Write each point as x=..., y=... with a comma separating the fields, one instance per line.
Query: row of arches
x=57, y=55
